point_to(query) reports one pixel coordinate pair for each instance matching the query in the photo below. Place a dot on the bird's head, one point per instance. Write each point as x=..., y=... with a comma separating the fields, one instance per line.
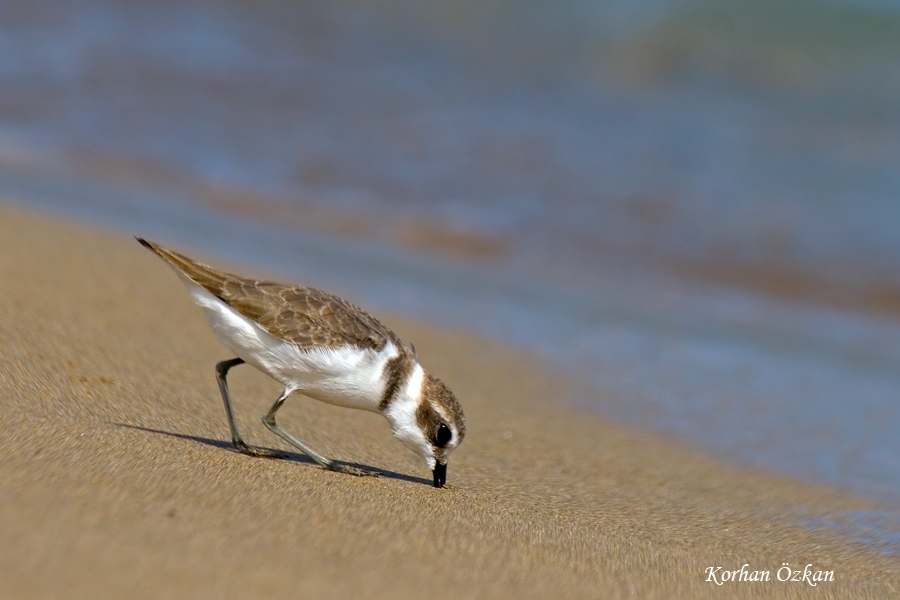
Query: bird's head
x=427, y=419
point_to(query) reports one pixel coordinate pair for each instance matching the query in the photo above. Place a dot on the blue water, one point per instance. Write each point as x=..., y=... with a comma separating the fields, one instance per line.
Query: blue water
x=599, y=147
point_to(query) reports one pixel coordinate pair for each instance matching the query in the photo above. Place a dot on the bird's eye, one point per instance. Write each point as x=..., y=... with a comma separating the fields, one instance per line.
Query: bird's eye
x=443, y=435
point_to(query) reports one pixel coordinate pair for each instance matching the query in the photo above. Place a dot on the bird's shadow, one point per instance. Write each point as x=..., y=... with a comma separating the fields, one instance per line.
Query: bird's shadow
x=293, y=456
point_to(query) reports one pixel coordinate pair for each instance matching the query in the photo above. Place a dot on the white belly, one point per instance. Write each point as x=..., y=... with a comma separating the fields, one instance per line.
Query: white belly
x=345, y=376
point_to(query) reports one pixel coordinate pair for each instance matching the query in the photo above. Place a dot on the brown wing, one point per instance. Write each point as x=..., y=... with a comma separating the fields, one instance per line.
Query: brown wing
x=304, y=316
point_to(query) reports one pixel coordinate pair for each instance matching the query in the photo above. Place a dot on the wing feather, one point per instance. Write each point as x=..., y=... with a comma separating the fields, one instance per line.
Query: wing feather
x=304, y=316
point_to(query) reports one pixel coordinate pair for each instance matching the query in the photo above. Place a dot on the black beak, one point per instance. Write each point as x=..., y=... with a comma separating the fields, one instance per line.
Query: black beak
x=440, y=475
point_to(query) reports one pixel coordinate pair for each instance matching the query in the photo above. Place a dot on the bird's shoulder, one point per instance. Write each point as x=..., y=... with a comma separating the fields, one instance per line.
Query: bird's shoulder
x=306, y=316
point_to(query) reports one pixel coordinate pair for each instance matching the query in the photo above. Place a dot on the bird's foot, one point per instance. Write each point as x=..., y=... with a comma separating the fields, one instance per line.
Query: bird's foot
x=354, y=471
x=243, y=448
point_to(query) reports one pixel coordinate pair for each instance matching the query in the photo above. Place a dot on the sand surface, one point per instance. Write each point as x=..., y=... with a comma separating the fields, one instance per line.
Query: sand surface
x=119, y=481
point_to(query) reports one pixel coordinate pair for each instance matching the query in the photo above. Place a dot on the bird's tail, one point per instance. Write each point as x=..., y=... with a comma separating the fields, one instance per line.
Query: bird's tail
x=190, y=270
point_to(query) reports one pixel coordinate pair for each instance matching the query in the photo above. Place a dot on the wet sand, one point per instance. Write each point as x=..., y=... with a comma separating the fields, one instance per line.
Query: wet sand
x=118, y=479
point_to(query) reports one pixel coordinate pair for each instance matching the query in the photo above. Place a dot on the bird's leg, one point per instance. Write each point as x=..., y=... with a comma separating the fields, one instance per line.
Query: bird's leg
x=269, y=421
x=239, y=444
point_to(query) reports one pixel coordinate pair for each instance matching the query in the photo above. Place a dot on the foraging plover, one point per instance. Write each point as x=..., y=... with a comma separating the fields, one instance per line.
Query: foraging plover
x=326, y=348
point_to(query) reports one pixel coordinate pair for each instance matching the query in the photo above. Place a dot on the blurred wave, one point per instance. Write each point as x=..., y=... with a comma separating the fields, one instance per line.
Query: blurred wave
x=751, y=143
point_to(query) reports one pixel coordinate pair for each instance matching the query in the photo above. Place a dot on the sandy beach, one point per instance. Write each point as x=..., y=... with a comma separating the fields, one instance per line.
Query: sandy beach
x=119, y=480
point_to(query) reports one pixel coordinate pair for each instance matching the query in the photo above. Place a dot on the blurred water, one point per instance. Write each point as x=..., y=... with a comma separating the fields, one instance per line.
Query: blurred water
x=693, y=206
x=710, y=136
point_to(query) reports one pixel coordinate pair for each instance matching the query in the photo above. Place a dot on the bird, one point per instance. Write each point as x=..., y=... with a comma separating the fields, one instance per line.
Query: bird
x=326, y=348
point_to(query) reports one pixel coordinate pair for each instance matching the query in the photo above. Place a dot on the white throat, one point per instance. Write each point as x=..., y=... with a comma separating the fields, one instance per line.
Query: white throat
x=413, y=387
x=401, y=413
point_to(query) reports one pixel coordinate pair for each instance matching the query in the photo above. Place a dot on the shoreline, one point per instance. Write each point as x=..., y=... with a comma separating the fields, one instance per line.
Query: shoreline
x=701, y=351
x=120, y=480
x=794, y=364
